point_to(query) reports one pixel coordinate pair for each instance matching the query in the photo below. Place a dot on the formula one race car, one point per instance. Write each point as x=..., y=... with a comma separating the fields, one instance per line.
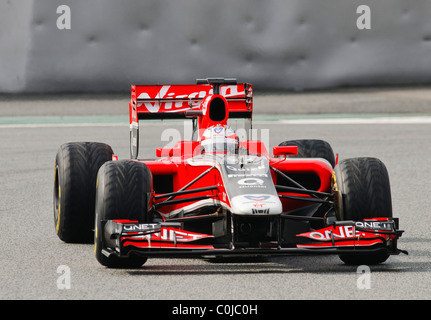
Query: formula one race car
x=220, y=193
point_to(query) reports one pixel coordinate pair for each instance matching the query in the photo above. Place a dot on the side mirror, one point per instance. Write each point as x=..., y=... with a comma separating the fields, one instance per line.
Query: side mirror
x=285, y=151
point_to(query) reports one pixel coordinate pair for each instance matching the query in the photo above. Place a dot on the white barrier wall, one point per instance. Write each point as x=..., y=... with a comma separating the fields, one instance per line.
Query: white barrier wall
x=274, y=44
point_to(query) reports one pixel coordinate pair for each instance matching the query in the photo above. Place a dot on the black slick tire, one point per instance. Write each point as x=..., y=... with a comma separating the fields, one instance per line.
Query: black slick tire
x=76, y=167
x=312, y=148
x=123, y=192
x=365, y=190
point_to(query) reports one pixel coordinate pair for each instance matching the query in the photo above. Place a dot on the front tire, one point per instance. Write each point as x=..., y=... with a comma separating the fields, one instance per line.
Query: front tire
x=123, y=192
x=365, y=191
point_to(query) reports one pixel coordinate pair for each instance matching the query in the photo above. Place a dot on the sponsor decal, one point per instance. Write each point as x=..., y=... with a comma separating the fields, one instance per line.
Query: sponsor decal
x=154, y=106
x=339, y=232
x=245, y=175
x=257, y=198
x=165, y=233
x=374, y=225
x=218, y=130
x=171, y=234
x=251, y=183
x=226, y=91
x=348, y=232
x=140, y=227
x=246, y=169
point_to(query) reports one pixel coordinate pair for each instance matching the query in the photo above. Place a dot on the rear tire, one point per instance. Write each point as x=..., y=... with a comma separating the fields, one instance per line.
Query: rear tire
x=312, y=148
x=76, y=166
x=365, y=190
x=123, y=192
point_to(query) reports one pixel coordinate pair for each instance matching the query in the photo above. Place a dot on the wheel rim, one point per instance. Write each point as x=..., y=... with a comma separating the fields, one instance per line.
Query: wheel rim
x=57, y=197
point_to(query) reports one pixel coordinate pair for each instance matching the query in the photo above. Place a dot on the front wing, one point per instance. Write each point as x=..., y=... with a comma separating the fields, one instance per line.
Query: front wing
x=169, y=239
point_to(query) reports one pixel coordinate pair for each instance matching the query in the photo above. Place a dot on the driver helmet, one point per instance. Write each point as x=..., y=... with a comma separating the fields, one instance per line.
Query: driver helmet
x=220, y=139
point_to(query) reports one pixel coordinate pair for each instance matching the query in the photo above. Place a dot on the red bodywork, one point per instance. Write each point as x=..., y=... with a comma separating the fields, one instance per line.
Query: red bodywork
x=183, y=101
x=182, y=173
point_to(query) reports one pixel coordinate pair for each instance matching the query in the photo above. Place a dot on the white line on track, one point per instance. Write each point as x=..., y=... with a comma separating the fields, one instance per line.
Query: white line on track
x=259, y=119
x=377, y=120
x=61, y=125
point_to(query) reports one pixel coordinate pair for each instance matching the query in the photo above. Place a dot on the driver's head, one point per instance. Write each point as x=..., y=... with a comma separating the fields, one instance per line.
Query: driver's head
x=220, y=139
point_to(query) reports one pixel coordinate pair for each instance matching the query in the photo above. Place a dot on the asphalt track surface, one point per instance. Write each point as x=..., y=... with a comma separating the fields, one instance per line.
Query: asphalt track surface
x=31, y=253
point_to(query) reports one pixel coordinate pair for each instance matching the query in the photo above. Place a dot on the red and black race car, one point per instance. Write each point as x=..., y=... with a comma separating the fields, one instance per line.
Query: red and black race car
x=220, y=193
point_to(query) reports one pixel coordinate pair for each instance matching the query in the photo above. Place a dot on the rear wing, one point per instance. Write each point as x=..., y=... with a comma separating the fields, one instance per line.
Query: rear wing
x=173, y=101
x=186, y=101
